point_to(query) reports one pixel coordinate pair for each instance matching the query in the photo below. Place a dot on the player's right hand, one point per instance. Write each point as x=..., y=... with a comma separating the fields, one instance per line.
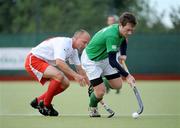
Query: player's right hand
x=130, y=79
x=80, y=79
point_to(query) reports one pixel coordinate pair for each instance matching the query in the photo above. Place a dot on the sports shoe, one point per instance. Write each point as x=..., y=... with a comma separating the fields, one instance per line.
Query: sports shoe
x=34, y=104
x=47, y=111
x=94, y=112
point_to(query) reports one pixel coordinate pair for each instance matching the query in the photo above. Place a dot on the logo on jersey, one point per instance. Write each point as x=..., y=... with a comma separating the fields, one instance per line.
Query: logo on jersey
x=114, y=47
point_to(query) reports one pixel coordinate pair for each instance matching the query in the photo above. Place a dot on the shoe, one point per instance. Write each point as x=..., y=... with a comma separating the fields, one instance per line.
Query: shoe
x=34, y=104
x=94, y=112
x=47, y=111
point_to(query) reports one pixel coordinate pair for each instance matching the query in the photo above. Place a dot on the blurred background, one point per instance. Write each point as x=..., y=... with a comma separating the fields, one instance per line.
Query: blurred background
x=153, y=51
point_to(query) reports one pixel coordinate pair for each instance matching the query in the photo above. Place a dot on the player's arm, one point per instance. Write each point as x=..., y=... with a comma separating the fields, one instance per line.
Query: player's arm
x=68, y=71
x=111, y=44
x=123, y=49
x=65, y=68
x=113, y=62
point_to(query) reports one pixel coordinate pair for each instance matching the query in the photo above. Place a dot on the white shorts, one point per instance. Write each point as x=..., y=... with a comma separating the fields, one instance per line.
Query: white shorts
x=95, y=69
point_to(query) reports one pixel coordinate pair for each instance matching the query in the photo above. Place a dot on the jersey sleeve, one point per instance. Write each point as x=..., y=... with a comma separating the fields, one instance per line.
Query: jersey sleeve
x=123, y=47
x=74, y=59
x=111, y=44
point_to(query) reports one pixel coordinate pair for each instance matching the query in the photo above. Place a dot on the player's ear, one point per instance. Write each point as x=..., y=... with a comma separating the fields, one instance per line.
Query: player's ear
x=75, y=38
x=120, y=25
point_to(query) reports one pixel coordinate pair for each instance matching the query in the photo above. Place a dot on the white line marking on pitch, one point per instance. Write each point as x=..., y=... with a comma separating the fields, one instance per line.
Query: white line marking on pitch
x=117, y=115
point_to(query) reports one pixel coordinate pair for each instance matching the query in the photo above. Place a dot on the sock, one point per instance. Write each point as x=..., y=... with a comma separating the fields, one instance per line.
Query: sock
x=53, y=89
x=93, y=100
x=106, y=83
x=41, y=97
x=59, y=90
x=105, y=106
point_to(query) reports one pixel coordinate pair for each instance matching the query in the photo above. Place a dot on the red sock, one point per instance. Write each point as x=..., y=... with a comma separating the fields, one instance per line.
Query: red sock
x=53, y=89
x=59, y=90
x=41, y=97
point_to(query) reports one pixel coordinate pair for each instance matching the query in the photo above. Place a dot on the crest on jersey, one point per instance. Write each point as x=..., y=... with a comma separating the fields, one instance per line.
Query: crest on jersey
x=114, y=47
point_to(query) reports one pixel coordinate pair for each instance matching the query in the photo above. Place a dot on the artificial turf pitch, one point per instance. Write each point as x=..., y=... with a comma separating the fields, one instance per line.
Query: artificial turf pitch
x=161, y=101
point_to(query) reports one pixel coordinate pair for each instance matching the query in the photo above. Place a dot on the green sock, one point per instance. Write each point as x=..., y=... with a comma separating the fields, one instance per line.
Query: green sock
x=106, y=83
x=93, y=100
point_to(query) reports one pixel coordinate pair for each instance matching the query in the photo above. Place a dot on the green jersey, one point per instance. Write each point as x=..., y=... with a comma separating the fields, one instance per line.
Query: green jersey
x=106, y=40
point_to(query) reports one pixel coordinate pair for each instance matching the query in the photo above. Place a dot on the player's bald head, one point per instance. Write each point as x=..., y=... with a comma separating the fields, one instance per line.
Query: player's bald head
x=80, y=39
x=81, y=32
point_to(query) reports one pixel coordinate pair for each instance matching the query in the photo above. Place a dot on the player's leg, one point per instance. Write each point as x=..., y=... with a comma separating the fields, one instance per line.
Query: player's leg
x=115, y=81
x=47, y=97
x=106, y=83
x=58, y=83
x=36, y=67
x=108, y=86
x=99, y=92
x=106, y=107
x=96, y=96
x=93, y=71
x=43, y=72
x=61, y=88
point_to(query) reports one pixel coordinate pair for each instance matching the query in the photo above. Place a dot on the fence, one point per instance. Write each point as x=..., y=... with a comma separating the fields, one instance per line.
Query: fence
x=147, y=54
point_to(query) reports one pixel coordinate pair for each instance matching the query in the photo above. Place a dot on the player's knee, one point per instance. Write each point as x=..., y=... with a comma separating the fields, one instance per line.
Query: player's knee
x=117, y=86
x=120, y=84
x=59, y=76
x=100, y=93
x=66, y=83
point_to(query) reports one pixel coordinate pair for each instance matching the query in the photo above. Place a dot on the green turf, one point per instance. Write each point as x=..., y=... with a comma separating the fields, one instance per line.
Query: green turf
x=161, y=101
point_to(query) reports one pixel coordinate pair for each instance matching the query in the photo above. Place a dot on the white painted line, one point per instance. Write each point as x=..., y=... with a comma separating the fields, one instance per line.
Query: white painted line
x=116, y=115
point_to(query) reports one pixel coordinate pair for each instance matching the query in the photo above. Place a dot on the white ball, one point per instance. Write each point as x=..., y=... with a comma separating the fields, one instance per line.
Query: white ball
x=135, y=115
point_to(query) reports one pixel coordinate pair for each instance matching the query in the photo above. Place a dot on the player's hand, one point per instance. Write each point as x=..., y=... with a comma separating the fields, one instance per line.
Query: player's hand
x=82, y=72
x=130, y=79
x=80, y=79
x=122, y=58
x=83, y=83
x=87, y=80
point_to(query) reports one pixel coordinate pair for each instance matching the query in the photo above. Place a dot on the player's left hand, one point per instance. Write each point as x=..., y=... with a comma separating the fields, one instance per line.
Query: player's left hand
x=122, y=58
x=83, y=83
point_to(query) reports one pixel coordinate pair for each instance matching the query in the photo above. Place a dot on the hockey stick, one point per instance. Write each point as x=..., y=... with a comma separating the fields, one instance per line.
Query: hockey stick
x=136, y=92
